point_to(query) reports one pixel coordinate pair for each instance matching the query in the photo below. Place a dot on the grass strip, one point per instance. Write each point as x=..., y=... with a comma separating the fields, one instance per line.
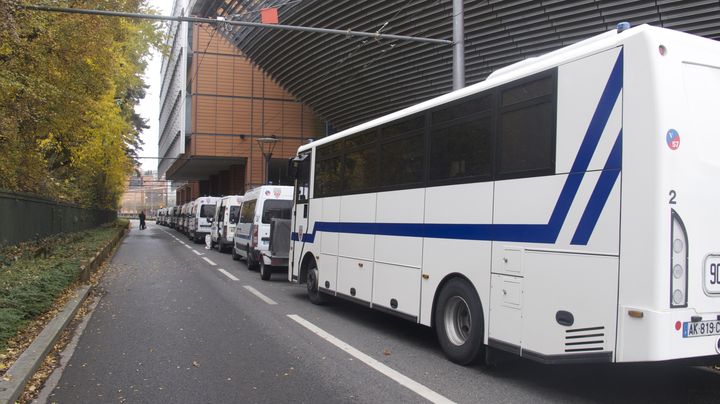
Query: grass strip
x=34, y=274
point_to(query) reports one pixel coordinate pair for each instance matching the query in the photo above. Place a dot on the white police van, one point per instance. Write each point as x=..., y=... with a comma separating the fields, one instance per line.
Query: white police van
x=262, y=236
x=227, y=210
x=201, y=217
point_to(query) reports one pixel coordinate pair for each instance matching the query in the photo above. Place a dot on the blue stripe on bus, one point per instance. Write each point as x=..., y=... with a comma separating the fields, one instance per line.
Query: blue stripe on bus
x=528, y=233
x=600, y=195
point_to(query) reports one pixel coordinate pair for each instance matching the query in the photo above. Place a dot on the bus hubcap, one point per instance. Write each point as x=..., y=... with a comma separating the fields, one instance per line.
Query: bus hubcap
x=458, y=322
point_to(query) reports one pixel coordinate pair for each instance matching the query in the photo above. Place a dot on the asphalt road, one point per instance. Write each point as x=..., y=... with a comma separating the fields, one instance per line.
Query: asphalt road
x=172, y=327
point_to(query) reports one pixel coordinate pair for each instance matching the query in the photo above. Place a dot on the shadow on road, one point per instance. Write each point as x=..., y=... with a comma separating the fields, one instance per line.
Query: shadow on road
x=637, y=383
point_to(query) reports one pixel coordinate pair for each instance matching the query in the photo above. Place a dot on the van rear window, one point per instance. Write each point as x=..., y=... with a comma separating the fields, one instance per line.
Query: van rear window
x=207, y=211
x=279, y=209
x=234, y=214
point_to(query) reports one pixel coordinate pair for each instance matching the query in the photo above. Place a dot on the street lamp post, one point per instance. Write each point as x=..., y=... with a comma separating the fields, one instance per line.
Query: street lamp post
x=267, y=146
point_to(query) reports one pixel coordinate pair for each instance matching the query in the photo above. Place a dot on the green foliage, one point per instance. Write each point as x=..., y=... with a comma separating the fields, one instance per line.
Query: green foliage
x=32, y=282
x=68, y=87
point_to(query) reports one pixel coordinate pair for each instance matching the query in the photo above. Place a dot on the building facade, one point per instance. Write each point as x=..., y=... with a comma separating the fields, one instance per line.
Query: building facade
x=218, y=111
x=144, y=191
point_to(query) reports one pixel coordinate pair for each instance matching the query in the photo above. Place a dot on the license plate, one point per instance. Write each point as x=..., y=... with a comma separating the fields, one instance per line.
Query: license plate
x=711, y=275
x=701, y=328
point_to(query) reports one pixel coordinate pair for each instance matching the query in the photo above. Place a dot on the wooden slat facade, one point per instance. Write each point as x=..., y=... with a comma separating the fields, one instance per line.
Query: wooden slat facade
x=233, y=103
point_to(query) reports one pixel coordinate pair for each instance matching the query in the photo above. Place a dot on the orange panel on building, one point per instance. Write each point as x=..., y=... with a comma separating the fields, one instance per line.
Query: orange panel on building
x=231, y=104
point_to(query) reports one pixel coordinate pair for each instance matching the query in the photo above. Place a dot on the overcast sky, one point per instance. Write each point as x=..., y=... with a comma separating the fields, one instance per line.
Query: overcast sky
x=149, y=108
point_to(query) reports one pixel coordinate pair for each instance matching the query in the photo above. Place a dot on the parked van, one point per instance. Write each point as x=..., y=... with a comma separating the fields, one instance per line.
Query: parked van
x=201, y=217
x=262, y=236
x=172, y=222
x=186, y=217
x=182, y=221
x=227, y=211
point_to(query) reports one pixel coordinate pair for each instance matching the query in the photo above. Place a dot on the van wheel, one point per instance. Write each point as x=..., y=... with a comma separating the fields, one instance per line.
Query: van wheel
x=459, y=322
x=251, y=263
x=235, y=257
x=265, y=271
x=313, y=286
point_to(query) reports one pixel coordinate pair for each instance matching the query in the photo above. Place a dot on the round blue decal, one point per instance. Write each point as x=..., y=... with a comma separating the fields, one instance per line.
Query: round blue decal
x=673, y=139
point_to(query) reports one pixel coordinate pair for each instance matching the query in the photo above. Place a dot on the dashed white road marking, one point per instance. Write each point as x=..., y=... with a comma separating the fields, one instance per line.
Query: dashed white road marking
x=403, y=380
x=196, y=253
x=188, y=246
x=260, y=295
x=208, y=261
x=228, y=274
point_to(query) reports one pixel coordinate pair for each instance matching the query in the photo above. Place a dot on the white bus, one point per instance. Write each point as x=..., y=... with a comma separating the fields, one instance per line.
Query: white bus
x=562, y=210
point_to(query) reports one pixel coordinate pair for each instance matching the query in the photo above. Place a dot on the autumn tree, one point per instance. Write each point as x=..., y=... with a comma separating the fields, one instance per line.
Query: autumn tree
x=68, y=87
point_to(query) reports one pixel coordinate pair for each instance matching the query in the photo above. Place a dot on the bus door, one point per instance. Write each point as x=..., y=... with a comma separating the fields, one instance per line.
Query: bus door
x=299, y=168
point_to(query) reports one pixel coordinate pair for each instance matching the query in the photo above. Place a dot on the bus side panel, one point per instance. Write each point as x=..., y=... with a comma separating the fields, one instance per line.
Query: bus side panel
x=355, y=251
x=580, y=87
x=521, y=201
x=328, y=242
x=554, y=284
x=398, y=260
x=584, y=286
x=457, y=204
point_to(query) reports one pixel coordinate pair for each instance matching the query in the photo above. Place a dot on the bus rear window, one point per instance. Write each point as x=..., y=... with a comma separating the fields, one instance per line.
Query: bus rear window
x=276, y=209
x=207, y=211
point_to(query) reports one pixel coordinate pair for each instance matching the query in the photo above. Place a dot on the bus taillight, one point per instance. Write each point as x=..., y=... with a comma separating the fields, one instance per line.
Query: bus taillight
x=678, y=262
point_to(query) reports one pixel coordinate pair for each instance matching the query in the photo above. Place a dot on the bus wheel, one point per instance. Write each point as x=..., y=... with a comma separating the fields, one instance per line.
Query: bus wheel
x=313, y=285
x=459, y=322
x=265, y=270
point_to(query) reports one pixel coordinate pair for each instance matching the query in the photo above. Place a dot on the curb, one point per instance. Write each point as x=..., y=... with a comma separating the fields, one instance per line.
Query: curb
x=29, y=361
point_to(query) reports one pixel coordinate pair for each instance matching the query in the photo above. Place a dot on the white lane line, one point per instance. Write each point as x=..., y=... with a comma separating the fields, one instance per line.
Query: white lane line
x=208, y=261
x=228, y=274
x=196, y=253
x=403, y=380
x=188, y=246
x=260, y=295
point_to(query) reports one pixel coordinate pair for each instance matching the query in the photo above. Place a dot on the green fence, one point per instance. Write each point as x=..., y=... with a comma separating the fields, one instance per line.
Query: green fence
x=25, y=216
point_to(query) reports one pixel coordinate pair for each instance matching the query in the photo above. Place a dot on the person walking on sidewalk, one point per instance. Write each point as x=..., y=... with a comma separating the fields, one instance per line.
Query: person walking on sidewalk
x=142, y=220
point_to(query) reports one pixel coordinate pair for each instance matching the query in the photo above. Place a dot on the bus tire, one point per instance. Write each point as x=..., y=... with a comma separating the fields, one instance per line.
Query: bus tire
x=459, y=323
x=313, y=285
x=265, y=270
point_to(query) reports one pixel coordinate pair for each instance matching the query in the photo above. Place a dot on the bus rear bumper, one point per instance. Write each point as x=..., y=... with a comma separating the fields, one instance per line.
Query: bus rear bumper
x=649, y=336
